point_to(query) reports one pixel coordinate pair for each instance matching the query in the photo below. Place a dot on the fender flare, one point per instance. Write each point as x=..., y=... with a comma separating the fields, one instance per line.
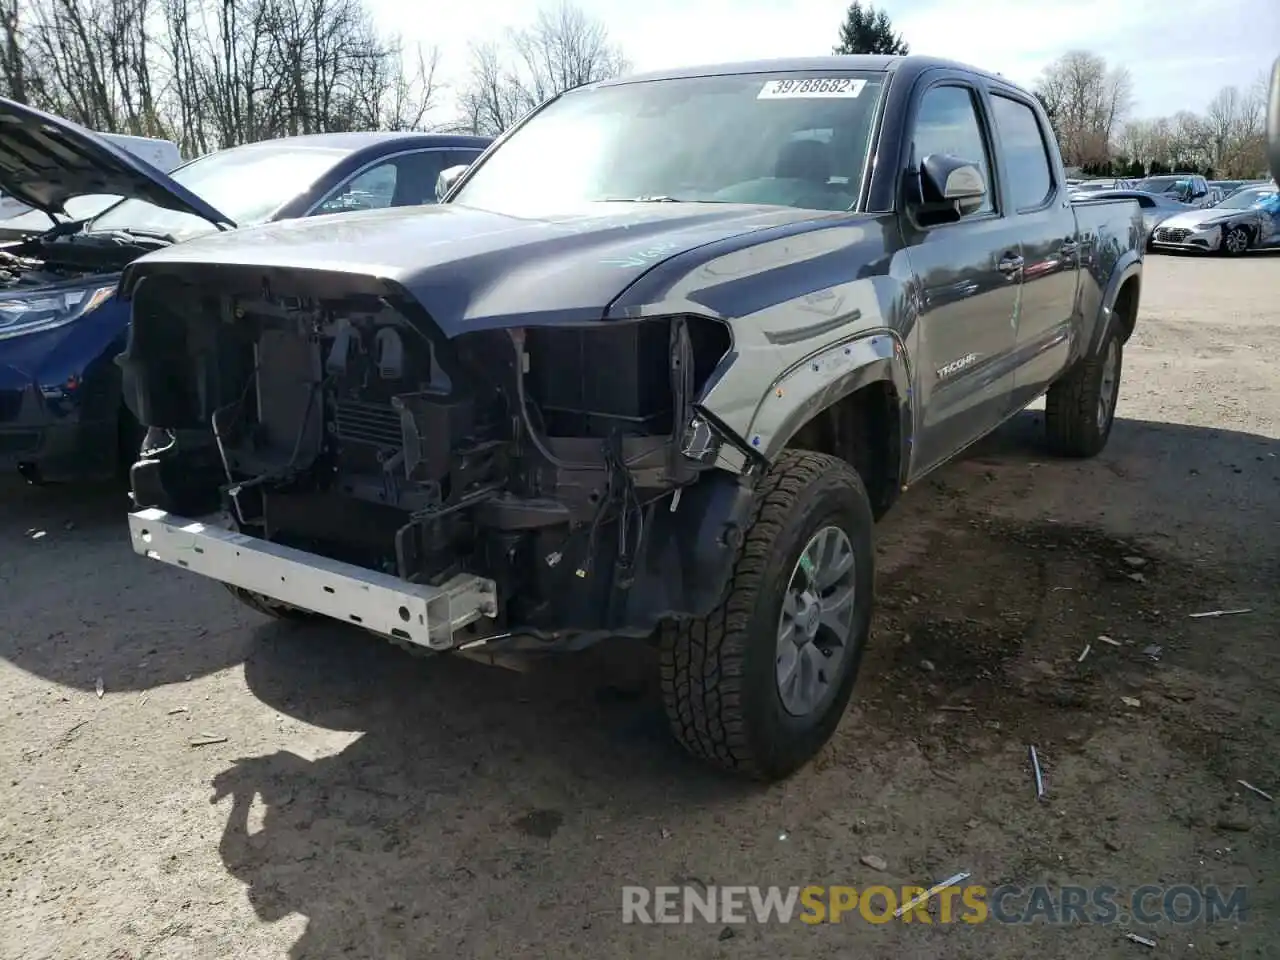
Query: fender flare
x=1127, y=267
x=825, y=378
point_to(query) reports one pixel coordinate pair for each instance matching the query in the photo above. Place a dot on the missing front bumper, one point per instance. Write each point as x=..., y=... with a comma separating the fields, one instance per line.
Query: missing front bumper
x=419, y=614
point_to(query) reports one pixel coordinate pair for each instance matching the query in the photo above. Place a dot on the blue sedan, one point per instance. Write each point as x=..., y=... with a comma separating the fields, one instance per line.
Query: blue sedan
x=61, y=411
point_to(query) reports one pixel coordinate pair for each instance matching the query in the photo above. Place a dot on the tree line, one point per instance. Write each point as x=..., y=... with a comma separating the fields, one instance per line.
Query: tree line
x=214, y=73
x=210, y=74
x=1089, y=104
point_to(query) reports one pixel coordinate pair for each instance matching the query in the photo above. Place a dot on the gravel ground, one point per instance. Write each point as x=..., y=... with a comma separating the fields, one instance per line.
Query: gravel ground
x=368, y=804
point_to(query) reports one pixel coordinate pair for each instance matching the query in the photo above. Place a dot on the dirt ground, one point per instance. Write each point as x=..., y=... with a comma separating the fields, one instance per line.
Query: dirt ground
x=368, y=804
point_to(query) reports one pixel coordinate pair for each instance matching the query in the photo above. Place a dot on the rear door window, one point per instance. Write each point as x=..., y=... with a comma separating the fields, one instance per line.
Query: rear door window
x=1025, y=152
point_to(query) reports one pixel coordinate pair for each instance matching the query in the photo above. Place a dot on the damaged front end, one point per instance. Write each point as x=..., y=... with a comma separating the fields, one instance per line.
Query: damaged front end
x=554, y=482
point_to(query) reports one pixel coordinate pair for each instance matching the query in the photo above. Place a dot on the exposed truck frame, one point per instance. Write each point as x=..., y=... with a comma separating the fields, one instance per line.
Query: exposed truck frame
x=464, y=428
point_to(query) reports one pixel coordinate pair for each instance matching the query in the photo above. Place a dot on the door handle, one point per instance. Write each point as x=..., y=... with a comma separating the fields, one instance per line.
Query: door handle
x=1010, y=263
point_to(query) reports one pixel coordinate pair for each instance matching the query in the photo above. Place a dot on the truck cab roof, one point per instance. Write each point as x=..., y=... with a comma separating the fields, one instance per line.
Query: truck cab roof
x=910, y=66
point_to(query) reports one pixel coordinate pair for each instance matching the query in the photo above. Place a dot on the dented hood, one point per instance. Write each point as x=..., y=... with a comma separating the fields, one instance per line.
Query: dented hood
x=46, y=161
x=471, y=268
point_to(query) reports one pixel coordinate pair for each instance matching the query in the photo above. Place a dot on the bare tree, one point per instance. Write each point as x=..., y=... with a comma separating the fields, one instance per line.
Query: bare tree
x=493, y=99
x=213, y=73
x=13, y=61
x=1088, y=103
x=1192, y=145
x=1222, y=119
x=562, y=49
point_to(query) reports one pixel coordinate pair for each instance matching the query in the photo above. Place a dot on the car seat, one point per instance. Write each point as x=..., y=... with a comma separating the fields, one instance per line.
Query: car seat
x=808, y=160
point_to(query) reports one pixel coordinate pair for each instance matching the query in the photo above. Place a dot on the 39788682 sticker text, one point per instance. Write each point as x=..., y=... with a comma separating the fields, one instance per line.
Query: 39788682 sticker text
x=818, y=88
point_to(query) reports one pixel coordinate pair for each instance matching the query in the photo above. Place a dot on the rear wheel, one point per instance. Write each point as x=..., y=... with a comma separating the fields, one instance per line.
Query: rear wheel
x=759, y=686
x=1235, y=241
x=1080, y=409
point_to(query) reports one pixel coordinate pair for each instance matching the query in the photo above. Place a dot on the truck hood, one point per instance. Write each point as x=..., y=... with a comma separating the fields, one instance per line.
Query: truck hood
x=46, y=161
x=471, y=269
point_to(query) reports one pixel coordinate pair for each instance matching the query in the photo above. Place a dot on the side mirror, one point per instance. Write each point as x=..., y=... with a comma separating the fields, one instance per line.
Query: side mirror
x=1273, y=123
x=447, y=178
x=952, y=184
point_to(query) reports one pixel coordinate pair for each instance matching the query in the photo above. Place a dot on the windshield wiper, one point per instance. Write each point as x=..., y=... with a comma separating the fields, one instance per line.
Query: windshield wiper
x=642, y=200
x=127, y=233
x=63, y=228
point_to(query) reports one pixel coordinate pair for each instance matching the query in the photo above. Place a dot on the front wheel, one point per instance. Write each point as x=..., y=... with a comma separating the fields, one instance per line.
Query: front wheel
x=1235, y=241
x=759, y=686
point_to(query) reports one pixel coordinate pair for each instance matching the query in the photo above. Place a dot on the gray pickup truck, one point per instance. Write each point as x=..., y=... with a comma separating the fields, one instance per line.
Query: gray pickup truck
x=658, y=385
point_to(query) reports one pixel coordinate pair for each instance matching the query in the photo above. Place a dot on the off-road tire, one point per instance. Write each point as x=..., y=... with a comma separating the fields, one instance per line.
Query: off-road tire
x=1224, y=247
x=718, y=674
x=267, y=606
x=1071, y=406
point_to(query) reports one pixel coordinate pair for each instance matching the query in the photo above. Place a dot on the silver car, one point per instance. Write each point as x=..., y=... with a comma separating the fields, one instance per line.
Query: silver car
x=1246, y=220
x=1156, y=207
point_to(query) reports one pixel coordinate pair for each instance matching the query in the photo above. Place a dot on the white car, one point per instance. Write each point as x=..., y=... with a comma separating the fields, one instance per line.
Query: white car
x=161, y=154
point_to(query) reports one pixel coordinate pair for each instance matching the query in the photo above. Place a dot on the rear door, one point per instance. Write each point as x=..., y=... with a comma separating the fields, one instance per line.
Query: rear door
x=1046, y=226
x=969, y=273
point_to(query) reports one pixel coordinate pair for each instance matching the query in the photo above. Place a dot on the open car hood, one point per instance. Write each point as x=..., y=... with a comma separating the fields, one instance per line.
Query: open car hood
x=46, y=161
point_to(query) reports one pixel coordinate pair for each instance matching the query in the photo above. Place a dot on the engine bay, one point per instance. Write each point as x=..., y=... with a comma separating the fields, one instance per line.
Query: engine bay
x=63, y=254
x=350, y=426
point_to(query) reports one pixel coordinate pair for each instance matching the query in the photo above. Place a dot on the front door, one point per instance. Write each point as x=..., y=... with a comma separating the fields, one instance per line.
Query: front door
x=969, y=274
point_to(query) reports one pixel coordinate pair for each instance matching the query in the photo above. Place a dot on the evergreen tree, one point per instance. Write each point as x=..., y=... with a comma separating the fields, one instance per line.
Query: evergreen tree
x=869, y=31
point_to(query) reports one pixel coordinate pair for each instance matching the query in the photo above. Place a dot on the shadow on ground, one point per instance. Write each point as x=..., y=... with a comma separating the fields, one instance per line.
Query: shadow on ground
x=165, y=627
x=473, y=792
x=79, y=605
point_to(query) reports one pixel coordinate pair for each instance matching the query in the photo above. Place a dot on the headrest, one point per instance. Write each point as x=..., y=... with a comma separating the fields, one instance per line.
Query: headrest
x=804, y=160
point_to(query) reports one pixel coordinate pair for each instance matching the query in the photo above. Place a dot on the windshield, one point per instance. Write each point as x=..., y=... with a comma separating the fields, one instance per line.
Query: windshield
x=1162, y=185
x=785, y=140
x=1245, y=199
x=246, y=183
x=78, y=208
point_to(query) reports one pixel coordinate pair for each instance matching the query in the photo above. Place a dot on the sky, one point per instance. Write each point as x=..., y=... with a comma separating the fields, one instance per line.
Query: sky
x=1180, y=52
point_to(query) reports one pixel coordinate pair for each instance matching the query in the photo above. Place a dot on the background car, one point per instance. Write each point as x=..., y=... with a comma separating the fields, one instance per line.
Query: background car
x=1190, y=188
x=1156, y=207
x=1099, y=184
x=1093, y=186
x=1246, y=220
x=17, y=218
x=61, y=412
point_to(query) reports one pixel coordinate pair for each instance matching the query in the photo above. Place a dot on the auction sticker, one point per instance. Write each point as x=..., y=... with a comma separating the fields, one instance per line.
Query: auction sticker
x=816, y=88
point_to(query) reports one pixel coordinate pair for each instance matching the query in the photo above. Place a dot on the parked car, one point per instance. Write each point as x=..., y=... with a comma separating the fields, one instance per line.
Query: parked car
x=18, y=219
x=61, y=415
x=1246, y=220
x=667, y=390
x=1192, y=189
x=1093, y=186
x=1155, y=207
x=1101, y=183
